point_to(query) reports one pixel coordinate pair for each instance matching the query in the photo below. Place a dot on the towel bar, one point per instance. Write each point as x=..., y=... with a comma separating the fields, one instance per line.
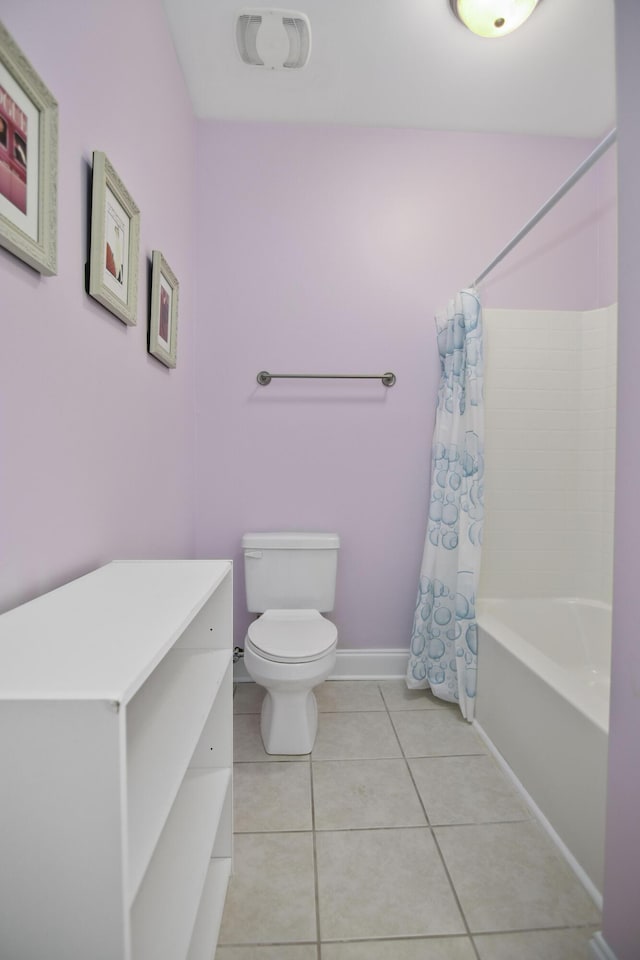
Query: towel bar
x=264, y=378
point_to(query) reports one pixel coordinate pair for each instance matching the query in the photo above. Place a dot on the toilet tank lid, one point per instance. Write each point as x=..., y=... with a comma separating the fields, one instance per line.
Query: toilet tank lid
x=288, y=540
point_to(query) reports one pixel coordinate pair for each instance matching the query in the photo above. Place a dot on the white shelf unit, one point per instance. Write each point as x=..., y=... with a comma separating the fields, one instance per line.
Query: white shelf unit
x=116, y=765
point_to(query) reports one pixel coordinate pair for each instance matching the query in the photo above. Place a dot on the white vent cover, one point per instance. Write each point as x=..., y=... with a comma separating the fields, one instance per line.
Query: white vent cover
x=275, y=39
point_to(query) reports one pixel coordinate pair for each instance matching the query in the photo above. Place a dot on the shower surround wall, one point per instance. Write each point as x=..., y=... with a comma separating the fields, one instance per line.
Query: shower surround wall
x=329, y=249
x=550, y=407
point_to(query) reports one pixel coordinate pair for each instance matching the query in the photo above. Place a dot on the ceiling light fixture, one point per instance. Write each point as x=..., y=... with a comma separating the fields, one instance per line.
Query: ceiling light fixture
x=493, y=18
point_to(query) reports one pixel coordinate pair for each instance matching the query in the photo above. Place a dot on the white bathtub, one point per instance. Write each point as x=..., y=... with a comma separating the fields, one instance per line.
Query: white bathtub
x=543, y=702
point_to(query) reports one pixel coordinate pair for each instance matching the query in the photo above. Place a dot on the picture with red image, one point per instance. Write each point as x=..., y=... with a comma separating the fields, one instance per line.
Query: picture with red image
x=28, y=161
x=13, y=152
x=163, y=318
x=163, y=328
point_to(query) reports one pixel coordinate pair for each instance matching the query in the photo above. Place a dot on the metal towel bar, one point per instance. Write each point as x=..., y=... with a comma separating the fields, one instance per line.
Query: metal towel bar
x=264, y=378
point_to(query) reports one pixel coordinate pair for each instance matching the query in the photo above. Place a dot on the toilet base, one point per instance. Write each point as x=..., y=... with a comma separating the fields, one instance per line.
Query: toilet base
x=289, y=718
x=289, y=722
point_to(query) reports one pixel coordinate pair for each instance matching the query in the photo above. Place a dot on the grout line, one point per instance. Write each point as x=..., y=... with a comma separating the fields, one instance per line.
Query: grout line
x=460, y=936
x=315, y=858
x=409, y=771
x=455, y=893
x=400, y=826
x=556, y=929
x=326, y=713
x=421, y=756
x=383, y=709
x=437, y=845
x=268, y=943
x=270, y=760
x=416, y=937
x=262, y=833
x=399, y=938
x=463, y=937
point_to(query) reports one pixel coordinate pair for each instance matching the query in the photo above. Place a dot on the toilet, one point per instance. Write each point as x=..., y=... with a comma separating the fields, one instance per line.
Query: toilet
x=290, y=648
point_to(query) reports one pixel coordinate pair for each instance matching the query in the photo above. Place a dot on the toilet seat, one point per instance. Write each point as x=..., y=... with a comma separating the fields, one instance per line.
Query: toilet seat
x=292, y=636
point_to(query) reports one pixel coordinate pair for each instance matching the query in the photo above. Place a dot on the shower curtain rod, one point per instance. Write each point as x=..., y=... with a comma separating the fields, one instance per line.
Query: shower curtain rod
x=545, y=208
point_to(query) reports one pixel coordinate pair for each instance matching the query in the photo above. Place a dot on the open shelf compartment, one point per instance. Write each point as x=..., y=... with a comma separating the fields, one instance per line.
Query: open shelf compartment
x=164, y=723
x=165, y=910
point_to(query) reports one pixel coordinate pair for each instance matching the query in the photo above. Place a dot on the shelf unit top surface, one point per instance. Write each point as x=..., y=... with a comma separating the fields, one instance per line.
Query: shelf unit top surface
x=99, y=637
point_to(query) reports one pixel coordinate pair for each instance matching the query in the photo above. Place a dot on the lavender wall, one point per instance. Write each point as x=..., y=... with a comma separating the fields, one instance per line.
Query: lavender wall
x=96, y=436
x=621, y=920
x=319, y=249
x=329, y=249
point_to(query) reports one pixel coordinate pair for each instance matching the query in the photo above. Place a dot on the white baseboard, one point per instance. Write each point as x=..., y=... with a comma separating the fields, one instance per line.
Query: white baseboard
x=370, y=664
x=354, y=665
x=585, y=880
x=599, y=948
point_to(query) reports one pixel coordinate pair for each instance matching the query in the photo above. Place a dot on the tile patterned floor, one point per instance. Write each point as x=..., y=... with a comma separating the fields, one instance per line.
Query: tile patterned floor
x=398, y=838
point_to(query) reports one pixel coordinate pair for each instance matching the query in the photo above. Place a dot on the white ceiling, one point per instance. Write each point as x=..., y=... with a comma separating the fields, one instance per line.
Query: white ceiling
x=409, y=63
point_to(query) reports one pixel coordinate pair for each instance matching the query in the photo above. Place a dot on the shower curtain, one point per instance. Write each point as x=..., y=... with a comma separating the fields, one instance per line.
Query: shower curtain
x=444, y=642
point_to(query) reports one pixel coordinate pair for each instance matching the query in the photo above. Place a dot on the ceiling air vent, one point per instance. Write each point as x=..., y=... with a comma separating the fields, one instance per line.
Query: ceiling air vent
x=275, y=39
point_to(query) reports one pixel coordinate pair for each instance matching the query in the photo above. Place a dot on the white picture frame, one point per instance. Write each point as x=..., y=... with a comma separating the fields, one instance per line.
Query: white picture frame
x=115, y=242
x=163, y=319
x=28, y=161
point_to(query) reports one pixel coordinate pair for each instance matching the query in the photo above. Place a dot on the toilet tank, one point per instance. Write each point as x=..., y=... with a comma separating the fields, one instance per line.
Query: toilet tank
x=290, y=571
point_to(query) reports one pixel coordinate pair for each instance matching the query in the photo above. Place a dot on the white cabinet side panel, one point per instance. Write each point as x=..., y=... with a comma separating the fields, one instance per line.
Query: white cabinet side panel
x=61, y=862
x=213, y=626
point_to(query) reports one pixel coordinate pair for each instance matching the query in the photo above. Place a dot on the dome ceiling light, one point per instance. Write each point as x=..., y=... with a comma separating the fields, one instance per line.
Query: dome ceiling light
x=493, y=18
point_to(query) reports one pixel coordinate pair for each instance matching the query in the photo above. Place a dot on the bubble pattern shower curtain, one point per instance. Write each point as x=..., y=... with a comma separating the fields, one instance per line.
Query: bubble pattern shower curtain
x=444, y=643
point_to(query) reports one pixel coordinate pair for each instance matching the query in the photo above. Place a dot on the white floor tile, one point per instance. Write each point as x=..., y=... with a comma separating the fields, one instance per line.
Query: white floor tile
x=546, y=944
x=436, y=733
x=383, y=883
x=510, y=876
x=354, y=794
x=271, y=895
x=355, y=736
x=436, y=948
x=466, y=790
x=271, y=797
x=348, y=695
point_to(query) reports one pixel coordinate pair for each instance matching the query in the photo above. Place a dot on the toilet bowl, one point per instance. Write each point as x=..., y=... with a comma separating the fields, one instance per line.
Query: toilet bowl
x=289, y=652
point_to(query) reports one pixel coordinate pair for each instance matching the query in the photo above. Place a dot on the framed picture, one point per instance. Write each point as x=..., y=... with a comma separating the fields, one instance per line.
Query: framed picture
x=28, y=161
x=163, y=322
x=115, y=243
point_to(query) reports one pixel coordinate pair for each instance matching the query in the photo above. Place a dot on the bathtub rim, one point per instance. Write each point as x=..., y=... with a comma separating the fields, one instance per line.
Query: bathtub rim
x=592, y=706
